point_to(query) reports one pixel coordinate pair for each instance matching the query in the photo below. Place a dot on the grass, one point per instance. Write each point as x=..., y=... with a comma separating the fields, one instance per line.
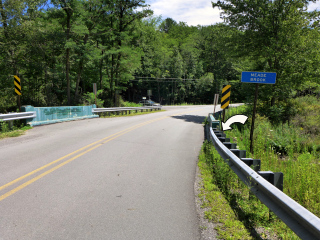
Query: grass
x=240, y=214
x=14, y=132
x=283, y=147
x=288, y=149
x=219, y=209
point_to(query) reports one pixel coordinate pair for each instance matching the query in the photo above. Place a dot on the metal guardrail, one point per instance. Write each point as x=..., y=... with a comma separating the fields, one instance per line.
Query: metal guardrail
x=304, y=223
x=120, y=109
x=26, y=115
x=17, y=116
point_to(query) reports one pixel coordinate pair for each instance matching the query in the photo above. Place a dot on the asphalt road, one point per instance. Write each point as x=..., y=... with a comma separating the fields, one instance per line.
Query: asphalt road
x=106, y=178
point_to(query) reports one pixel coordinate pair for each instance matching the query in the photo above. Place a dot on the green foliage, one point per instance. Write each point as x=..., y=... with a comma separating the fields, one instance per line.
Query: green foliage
x=231, y=203
x=167, y=25
x=308, y=115
x=60, y=50
x=288, y=149
x=4, y=127
x=90, y=99
x=308, y=88
x=129, y=104
x=279, y=113
x=262, y=44
x=15, y=131
x=219, y=209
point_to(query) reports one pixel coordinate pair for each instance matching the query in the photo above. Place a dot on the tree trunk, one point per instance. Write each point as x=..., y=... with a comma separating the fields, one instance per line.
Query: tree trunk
x=76, y=95
x=100, y=70
x=112, y=77
x=159, y=98
x=80, y=69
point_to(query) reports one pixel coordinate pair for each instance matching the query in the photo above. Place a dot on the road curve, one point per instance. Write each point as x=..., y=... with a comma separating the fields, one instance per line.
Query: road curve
x=106, y=178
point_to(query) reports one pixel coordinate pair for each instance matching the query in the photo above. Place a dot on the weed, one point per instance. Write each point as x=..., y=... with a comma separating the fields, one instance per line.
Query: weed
x=245, y=213
x=293, y=149
x=4, y=127
x=288, y=149
x=129, y=104
x=90, y=98
x=220, y=210
x=15, y=132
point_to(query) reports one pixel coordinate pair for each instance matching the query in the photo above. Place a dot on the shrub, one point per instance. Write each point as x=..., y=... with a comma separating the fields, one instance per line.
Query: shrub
x=89, y=99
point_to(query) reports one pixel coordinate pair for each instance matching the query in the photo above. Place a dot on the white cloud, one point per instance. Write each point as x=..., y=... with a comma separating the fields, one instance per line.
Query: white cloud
x=194, y=12
x=314, y=6
x=190, y=11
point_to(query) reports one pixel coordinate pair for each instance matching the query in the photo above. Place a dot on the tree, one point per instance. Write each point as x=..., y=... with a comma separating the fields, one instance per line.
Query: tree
x=124, y=15
x=167, y=25
x=275, y=36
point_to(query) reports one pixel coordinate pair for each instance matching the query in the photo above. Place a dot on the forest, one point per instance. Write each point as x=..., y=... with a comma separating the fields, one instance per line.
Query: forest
x=59, y=48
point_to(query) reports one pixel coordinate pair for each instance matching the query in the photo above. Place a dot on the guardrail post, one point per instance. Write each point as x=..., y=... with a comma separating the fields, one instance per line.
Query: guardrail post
x=217, y=131
x=221, y=135
x=10, y=124
x=223, y=139
x=256, y=163
x=275, y=178
x=239, y=153
x=230, y=145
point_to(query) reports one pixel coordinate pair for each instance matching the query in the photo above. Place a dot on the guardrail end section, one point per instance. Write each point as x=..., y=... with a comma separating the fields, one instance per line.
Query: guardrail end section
x=215, y=124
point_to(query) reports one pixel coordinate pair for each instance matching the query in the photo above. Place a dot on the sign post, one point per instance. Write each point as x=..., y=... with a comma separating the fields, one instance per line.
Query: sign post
x=257, y=77
x=95, y=92
x=216, y=98
x=149, y=93
x=17, y=89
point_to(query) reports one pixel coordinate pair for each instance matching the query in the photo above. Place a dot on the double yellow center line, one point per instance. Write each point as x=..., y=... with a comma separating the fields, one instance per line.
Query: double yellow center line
x=80, y=152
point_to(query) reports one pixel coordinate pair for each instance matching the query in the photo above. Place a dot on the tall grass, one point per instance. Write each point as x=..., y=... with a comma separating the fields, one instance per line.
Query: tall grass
x=284, y=148
x=254, y=215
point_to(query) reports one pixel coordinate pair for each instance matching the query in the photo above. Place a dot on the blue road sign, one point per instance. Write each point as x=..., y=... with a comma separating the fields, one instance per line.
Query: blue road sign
x=258, y=77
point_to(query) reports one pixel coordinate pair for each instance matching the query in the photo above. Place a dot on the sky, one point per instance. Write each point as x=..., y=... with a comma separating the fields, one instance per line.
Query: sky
x=193, y=12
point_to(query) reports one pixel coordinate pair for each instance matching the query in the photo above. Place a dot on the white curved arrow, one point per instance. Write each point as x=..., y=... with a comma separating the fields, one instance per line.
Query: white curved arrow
x=236, y=118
